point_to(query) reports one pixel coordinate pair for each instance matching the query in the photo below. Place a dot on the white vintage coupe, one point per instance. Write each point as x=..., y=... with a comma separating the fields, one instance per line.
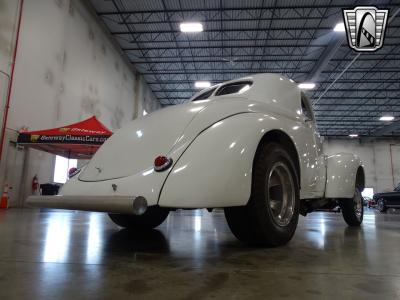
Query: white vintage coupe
x=249, y=146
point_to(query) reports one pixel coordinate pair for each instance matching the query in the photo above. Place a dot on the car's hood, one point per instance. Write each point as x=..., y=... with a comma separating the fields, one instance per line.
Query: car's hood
x=133, y=148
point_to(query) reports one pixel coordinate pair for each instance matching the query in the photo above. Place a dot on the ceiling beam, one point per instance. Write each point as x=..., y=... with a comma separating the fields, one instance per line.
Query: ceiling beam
x=219, y=59
x=239, y=8
x=205, y=21
x=388, y=129
x=324, y=28
x=261, y=39
x=326, y=56
x=245, y=71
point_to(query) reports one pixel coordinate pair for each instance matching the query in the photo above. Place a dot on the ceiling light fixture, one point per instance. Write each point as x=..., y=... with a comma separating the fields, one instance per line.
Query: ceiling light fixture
x=306, y=86
x=202, y=84
x=339, y=27
x=386, y=118
x=191, y=27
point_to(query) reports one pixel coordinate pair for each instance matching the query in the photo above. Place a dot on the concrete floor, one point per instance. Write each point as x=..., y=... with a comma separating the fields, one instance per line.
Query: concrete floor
x=193, y=255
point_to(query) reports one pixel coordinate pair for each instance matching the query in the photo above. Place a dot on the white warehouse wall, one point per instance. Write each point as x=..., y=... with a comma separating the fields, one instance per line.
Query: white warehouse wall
x=67, y=69
x=381, y=159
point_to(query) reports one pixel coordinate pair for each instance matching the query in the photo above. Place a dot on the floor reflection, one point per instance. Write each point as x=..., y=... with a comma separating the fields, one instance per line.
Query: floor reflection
x=196, y=234
x=94, y=243
x=57, y=238
x=63, y=253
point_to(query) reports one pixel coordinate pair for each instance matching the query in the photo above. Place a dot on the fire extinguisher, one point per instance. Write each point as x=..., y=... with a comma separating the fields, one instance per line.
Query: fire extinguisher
x=35, y=184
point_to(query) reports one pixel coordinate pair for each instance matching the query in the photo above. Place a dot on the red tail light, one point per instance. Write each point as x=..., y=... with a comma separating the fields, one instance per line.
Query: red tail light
x=161, y=163
x=72, y=172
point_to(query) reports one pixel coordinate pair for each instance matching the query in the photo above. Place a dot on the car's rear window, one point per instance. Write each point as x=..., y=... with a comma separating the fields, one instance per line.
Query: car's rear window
x=233, y=88
x=205, y=95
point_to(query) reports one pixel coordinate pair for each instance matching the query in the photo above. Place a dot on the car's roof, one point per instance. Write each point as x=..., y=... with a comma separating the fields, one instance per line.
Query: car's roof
x=256, y=78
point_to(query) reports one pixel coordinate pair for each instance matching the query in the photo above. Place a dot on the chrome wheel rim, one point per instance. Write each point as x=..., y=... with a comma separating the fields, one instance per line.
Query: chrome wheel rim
x=358, y=204
x=280, y=194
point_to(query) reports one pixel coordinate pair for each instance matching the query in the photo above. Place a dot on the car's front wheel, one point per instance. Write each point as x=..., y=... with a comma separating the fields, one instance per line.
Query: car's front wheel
x=353, y=209
x=152, y=218
x=381, y=205
x=271, y=215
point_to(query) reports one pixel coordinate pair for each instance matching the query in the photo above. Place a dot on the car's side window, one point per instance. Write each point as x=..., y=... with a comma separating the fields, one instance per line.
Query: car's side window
x=305, y=107
x=233, y=88
x=205, y=95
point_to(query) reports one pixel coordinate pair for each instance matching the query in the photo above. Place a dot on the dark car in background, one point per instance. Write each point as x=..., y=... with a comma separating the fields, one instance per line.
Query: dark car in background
x=388, y=200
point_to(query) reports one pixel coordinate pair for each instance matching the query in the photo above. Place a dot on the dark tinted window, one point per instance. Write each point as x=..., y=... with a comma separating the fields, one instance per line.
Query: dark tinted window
x=233, y=88
x=205, y=95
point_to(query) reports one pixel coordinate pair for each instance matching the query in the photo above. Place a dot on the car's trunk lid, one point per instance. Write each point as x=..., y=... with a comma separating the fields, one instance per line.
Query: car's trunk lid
x=133, y=148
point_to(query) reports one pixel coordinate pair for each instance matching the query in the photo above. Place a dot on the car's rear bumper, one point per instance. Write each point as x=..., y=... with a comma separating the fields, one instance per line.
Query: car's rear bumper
x=110, y=204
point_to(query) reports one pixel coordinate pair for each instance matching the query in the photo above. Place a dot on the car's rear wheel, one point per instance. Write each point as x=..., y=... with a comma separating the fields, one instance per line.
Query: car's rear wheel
x=381, y=205
x=353, y=209
x=271, y=215
x=152, y=218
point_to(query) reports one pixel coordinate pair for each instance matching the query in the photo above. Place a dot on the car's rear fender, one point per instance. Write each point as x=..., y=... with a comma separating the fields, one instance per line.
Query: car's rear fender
x=215, y=169
x=342, y=171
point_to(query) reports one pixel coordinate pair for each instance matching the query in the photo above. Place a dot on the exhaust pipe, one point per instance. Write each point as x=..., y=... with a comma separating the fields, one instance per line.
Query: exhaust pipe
x=110, y=204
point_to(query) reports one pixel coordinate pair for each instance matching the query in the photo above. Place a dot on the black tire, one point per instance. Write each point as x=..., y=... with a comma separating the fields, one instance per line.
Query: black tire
x=152, y=218
x=352, y=209
x=256, y=223
x=381, y=204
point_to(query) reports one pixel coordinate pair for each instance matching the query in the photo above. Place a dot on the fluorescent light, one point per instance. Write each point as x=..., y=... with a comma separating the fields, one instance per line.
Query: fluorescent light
x=339, y=27
x=202, y=84
x=191, y=27
x=306, y=86
x=353, y=135
x=386, y=118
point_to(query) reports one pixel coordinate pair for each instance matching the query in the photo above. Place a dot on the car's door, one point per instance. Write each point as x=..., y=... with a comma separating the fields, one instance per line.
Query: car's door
x=314, y=159
x=393, y=198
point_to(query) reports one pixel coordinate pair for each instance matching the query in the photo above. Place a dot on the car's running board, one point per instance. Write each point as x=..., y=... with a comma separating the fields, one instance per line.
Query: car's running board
x=111, y=204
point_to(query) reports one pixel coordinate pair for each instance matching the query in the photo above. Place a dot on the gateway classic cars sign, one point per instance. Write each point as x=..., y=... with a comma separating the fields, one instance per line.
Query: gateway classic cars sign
x=65, y=138
x=78, y=140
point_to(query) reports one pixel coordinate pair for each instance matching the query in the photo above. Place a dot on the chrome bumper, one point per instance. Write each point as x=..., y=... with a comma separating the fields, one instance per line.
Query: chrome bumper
x=110, y=204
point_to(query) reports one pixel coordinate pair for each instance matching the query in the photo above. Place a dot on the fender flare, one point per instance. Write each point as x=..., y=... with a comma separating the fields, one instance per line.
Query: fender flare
x=344, y=173
x=215, y=170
